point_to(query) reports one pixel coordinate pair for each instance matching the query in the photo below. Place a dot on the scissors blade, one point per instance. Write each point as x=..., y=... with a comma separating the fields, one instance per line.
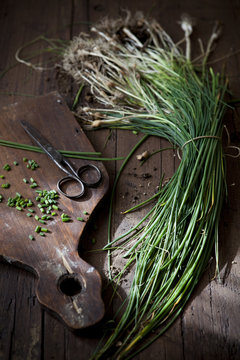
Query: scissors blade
x=42, y=142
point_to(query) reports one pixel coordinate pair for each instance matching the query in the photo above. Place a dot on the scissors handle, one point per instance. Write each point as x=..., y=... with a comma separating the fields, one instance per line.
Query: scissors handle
x=85, y=172
x=87, y=175
x=64, y=182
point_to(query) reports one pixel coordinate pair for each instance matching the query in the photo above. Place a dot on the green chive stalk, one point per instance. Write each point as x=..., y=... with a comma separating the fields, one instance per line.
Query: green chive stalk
x=71, y=154
x=147, y=84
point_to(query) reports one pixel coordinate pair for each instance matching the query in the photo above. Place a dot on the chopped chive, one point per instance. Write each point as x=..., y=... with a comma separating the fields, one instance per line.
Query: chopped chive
x=5, y=186
x=25, y=159
x=80, y=219
x=32, y=180
x=48, y=217
x=85, y=212
x=53, y=213
x=15, y=163
x=32, y=164
x=36, y=217
x=31, y=237
x=29, y=204
x=55, y=207
x=66, y=219
x=44, y=229
x=1, y=198
x=2, y=177
x=31, y=210
x=18, y=195
x=18, y=208
x=41, y=221
x=42, y=233
x=29, y=214
x=25, y=180
x=7, y=167
x=42, y=210
x=33, y=185
x=38, y=229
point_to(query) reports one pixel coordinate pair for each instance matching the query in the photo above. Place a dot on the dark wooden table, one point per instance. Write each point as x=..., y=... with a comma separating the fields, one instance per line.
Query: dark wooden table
x=209, y=328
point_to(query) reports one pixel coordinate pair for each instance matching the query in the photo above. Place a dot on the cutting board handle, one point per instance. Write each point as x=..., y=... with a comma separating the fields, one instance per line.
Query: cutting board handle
x=71, y=289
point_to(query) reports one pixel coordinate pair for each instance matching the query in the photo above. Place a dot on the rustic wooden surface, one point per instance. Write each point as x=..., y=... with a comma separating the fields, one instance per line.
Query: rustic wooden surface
x=55, y=258
x=209, y=327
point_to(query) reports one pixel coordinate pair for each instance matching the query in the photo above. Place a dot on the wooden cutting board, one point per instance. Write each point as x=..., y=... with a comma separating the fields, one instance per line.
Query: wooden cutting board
x=67, y=285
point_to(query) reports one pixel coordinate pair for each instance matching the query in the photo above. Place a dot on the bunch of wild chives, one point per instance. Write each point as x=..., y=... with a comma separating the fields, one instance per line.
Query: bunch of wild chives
x=147, y=84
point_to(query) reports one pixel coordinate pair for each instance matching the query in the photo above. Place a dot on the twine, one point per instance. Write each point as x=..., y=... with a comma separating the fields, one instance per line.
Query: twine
x=231, y=146
x=201, y=137
x=213, y=137
x=196, y=138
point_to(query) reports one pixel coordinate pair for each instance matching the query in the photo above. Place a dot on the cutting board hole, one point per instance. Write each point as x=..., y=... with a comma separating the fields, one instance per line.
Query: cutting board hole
x=69, y=285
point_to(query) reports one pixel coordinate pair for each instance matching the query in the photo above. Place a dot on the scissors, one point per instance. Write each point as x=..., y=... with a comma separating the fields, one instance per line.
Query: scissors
x=65, y=165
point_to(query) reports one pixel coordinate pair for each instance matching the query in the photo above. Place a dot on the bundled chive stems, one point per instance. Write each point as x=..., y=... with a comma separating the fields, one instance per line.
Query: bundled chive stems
x=146, y=83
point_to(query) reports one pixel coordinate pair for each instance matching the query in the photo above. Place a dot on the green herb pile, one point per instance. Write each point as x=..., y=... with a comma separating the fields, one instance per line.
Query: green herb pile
x=147, y=84
x=47, y=200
